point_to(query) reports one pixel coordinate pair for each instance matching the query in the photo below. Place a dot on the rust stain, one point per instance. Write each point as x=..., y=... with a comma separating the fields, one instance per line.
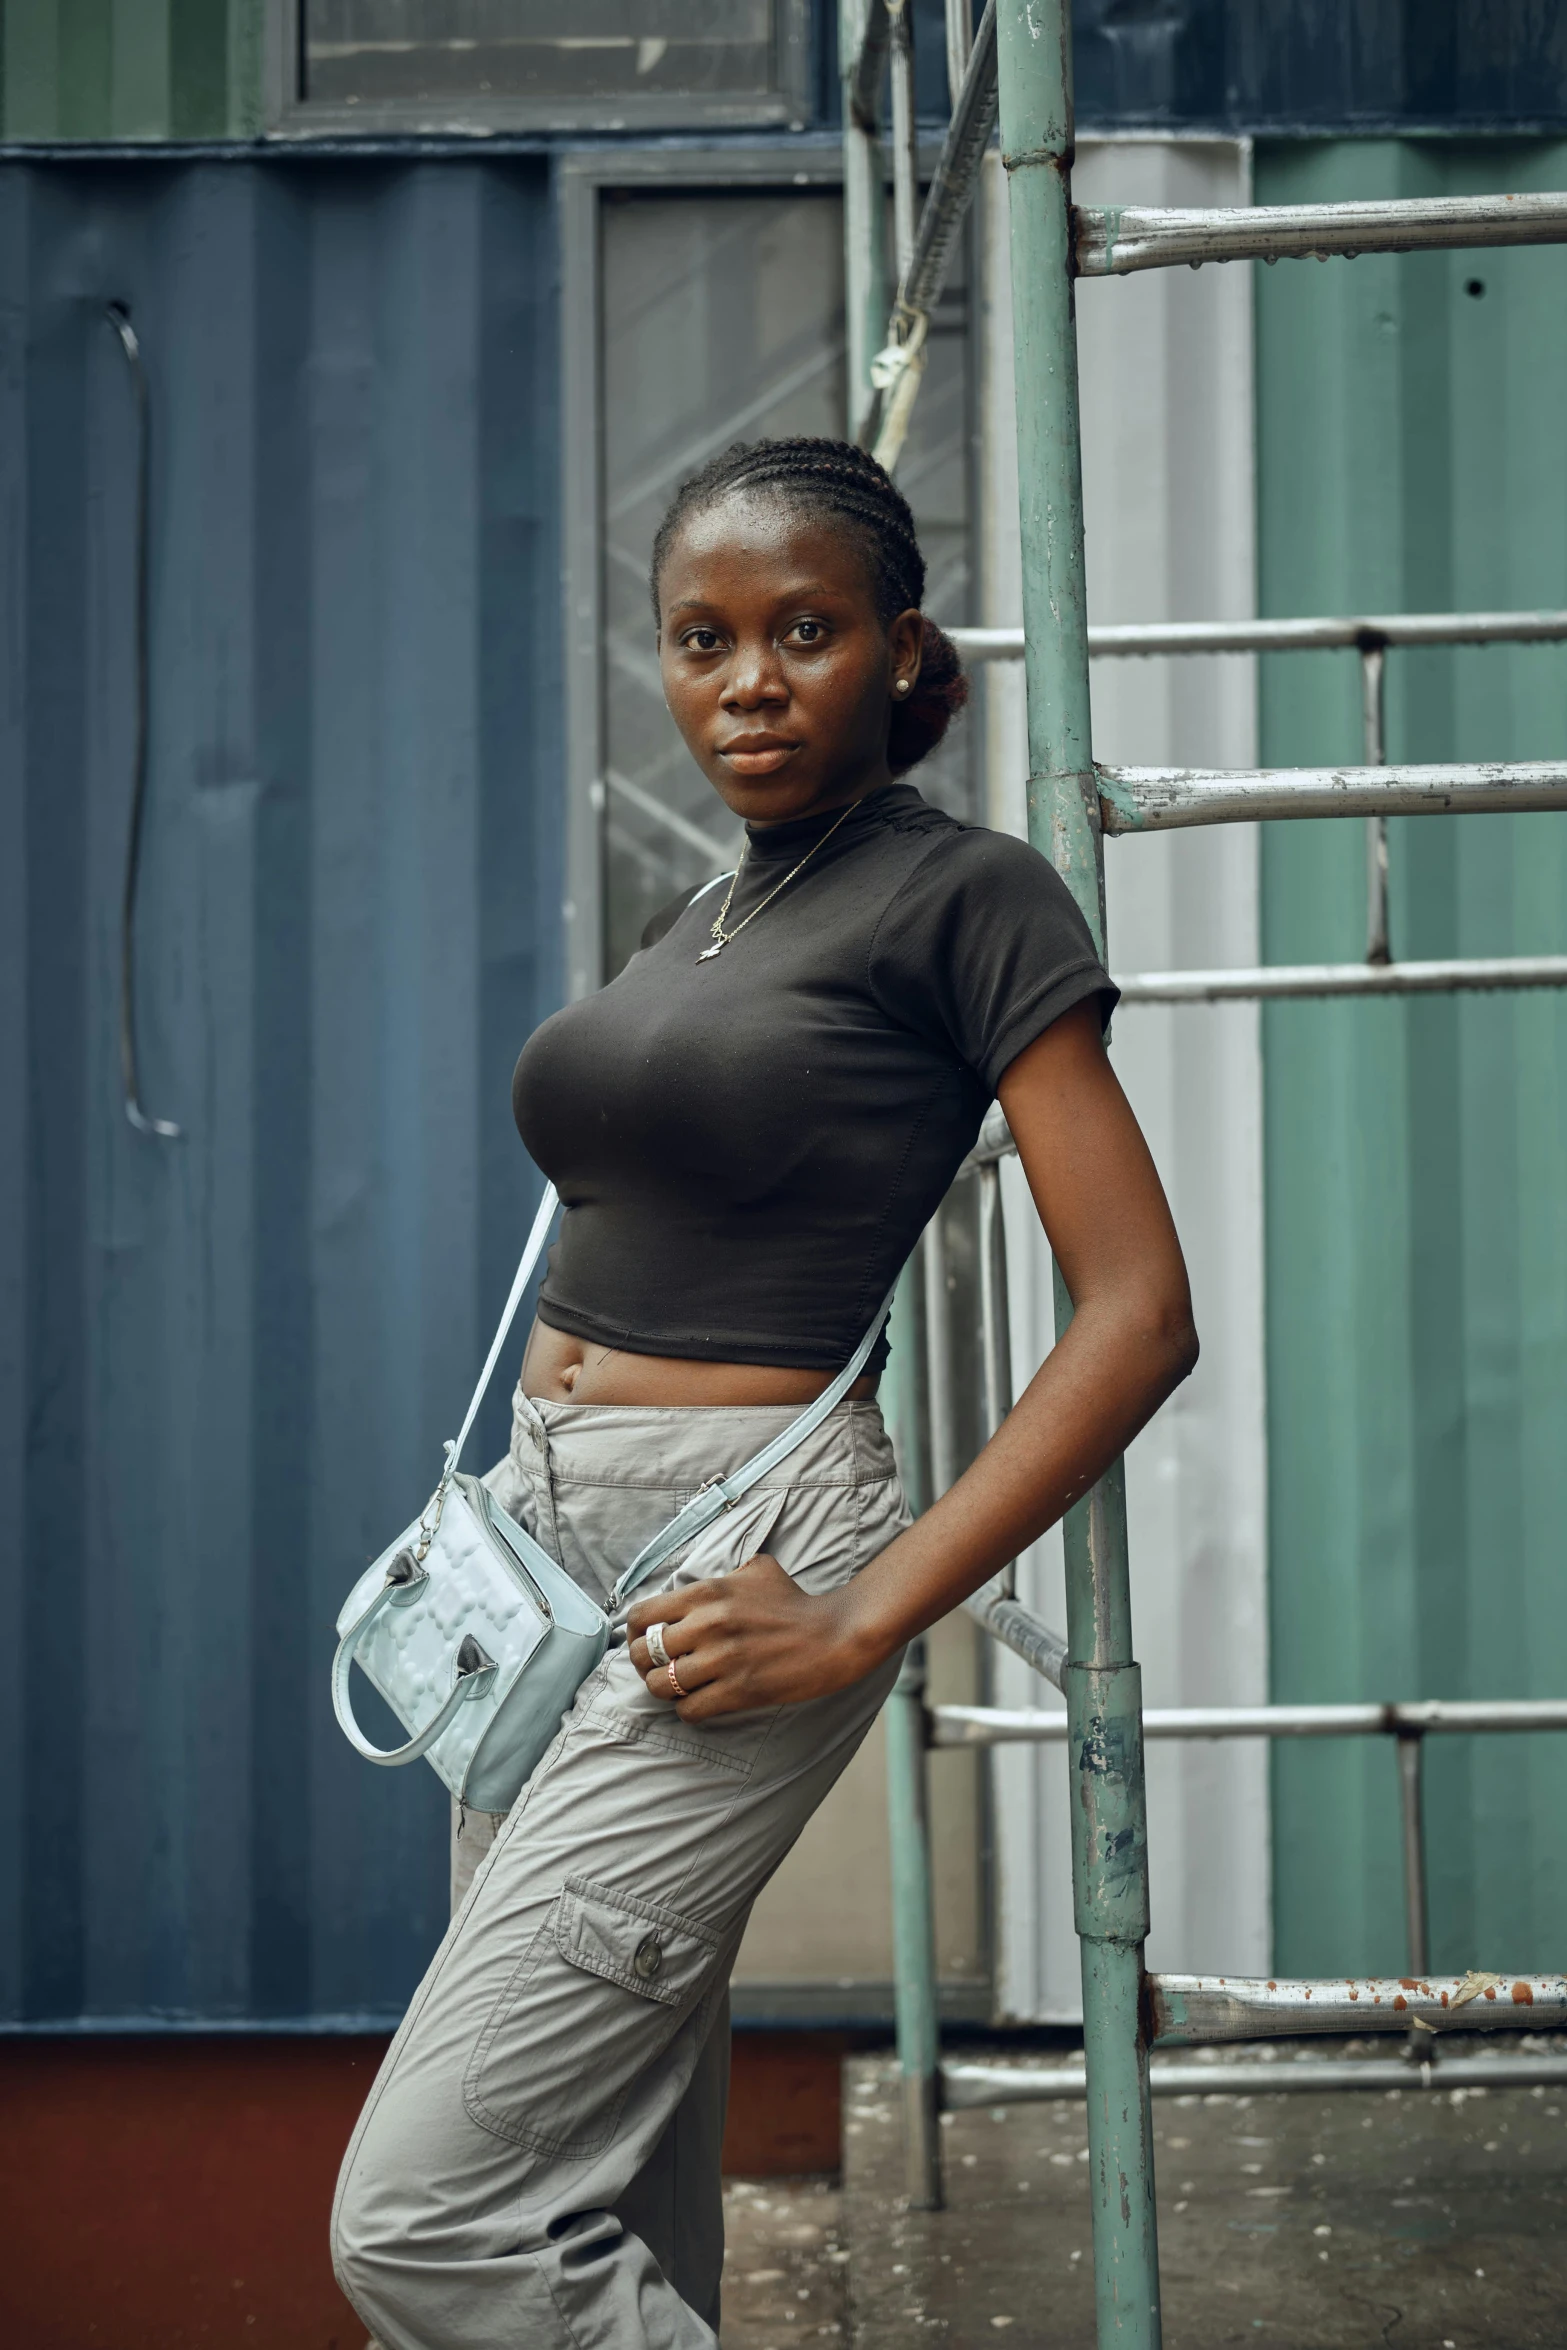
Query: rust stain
x=1523, y=1996
x=1490, y=1991
x=1354, y=1994
x=1406, y=1982
x=1273, y=1986
x=1399, y=2003
x=1444, y=1998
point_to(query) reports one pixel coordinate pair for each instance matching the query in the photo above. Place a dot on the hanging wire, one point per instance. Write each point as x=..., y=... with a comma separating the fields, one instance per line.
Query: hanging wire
x=130, y=1082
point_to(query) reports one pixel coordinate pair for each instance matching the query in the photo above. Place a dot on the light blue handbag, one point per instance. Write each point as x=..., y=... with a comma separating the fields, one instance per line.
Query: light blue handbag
x=477, y=1639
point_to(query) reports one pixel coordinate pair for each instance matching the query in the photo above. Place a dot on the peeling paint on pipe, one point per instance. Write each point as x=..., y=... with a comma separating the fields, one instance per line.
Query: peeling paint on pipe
x=1188, y=2010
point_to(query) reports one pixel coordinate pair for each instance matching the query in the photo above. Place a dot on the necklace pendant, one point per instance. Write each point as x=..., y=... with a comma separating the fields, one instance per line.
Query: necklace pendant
x=708, y=953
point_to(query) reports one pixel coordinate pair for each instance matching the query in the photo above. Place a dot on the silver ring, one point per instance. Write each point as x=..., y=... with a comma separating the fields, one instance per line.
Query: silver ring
x=654, y=1636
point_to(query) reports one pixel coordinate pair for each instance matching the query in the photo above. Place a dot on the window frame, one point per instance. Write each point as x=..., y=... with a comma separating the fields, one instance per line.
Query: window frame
x=291, y=115
x=583, y=179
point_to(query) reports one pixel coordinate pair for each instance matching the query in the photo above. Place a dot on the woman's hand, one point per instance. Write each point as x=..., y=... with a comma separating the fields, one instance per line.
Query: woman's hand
x=751, y=1638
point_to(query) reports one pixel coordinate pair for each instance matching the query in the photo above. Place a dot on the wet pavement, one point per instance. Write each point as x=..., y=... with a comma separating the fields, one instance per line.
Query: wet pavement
x=785, y=2264
x=1421, y=2219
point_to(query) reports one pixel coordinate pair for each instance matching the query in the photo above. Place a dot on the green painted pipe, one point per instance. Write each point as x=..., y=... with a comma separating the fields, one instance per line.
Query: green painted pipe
x=1109, y=1839
x=913, y=1931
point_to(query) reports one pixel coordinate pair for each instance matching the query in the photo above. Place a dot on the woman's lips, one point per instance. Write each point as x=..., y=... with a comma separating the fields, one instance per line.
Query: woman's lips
x=760, y=757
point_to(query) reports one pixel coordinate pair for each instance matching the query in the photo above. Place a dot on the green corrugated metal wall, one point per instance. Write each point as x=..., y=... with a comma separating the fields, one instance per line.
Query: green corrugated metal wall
x=1412, y=421
x=130, y=69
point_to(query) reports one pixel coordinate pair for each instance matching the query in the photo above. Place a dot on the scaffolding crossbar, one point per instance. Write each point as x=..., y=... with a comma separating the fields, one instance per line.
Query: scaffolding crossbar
x=1312, y=634
x=990, y=1725
x=1114, y=240
x=966, y=2086
x=1166, y=799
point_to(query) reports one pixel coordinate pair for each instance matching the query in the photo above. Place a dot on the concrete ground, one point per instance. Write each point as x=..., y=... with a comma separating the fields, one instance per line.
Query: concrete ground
x=785, y=2264
x=1423, y=2220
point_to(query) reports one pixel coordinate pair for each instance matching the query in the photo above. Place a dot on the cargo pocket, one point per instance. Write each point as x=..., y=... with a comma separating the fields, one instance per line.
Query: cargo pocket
x=601, y=1991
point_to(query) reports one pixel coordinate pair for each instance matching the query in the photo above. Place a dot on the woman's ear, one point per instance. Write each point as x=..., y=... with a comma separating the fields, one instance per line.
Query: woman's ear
x=905, y=642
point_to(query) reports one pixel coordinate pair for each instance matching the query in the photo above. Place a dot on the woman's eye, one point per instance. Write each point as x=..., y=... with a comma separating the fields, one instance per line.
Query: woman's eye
x=702, y=640
x=809, y=632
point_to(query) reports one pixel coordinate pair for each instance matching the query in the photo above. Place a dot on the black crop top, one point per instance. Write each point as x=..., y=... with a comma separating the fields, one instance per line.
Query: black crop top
x=748, y=1149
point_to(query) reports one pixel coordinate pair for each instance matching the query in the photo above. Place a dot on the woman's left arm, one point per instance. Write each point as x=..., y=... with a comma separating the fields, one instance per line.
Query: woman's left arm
x=754, y=1638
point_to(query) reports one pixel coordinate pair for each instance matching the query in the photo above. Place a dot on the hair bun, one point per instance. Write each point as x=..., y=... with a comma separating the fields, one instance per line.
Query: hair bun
x=940, y=691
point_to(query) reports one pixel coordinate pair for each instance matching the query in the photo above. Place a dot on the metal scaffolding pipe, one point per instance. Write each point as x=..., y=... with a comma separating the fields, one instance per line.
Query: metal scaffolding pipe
x=1343, y=979
x=1186, y=2010
x=924, y=262
x=1325, y=634
x=1162, y=799
x=868, y=67
x=1016, y=1627
x=965, y=2087
x=988, y=1725
x=957, y=173
x=1113, y=240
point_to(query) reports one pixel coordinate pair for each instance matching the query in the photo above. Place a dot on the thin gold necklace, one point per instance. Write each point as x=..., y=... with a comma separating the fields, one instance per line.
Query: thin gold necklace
x=721, y=936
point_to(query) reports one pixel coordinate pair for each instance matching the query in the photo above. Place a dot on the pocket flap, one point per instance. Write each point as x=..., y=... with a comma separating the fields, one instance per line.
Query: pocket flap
x=628, y=1939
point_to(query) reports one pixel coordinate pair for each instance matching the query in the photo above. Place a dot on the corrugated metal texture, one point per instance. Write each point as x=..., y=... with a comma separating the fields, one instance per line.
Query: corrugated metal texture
x=230, y=1360
x=195, y=69
x=1411, y=456
x=131, y=69
x=1323, y=65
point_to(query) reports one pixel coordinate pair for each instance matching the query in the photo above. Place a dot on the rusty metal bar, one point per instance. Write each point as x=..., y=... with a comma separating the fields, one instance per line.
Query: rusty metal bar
x=1164, y=799
x=965, y=2087
x=1190, y=2009
x=986, y=1725
x=1144, y=639
x=1113, y=240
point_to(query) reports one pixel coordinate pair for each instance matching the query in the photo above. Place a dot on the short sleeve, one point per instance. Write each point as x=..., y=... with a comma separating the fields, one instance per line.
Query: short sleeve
x=983, y=947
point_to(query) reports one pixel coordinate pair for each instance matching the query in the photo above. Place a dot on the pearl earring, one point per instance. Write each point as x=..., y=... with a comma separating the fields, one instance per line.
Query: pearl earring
x=902, y=686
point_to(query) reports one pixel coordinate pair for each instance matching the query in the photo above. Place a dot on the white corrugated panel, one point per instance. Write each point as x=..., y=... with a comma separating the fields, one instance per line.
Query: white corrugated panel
x=1167, y=451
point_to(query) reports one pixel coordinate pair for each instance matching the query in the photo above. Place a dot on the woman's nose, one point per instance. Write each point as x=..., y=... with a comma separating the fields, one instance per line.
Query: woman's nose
x=754, y=678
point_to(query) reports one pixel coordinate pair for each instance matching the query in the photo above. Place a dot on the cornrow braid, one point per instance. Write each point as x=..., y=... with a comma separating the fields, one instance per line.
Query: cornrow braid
x=836, y=478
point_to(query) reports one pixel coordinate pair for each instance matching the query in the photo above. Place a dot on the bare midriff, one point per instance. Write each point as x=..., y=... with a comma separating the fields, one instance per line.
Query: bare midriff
x=557, y=1368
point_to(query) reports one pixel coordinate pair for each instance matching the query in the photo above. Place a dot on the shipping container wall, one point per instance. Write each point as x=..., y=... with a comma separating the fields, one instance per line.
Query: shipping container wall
x=208, y=69
x=1411, y=456
x=228, y=1360
x=132, y=69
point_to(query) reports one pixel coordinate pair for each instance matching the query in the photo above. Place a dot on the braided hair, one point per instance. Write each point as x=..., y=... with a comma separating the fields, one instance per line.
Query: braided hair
x=838, y=479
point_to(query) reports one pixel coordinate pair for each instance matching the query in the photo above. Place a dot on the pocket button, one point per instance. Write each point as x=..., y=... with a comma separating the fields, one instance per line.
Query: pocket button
x=648, y=1958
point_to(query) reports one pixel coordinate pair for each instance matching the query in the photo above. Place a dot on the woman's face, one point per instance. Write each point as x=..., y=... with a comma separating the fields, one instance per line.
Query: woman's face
x=776, y=668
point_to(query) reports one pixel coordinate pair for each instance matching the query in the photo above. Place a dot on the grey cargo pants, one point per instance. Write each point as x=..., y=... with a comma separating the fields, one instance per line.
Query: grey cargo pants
x=537, y=2165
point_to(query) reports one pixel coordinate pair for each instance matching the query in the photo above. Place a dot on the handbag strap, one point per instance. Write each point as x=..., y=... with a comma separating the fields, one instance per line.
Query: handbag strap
x=530, y=1257
x=721, y=1493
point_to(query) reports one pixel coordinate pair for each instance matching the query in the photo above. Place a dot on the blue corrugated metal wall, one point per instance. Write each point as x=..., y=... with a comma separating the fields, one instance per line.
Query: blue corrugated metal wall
x=228, y=1361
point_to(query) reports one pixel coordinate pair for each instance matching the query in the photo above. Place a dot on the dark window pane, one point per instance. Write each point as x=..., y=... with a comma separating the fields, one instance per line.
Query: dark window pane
x=391, y=50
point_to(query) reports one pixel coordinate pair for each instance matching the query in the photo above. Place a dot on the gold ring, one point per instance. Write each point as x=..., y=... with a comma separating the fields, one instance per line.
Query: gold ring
x=674, y=1678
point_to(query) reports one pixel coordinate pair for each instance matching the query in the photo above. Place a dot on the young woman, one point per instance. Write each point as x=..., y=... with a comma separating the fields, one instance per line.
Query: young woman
x=749, y=1128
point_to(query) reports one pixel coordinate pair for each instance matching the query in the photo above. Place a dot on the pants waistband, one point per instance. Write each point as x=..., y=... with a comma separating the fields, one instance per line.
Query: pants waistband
x=678, y=1447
